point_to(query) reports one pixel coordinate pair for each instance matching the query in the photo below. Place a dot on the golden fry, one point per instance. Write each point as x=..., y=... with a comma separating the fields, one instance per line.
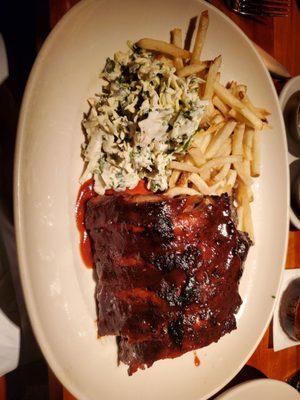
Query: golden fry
x=200, y=36
x=220, y=138
x=190, y=70
x=163, y=47
x=242, y=172
x=218, y=162
x=197, y=156
x=183, y=166
x=255, y=164
x=199, y=183
x=237, y=139
x=211, y=78
x=222, y=107
x=165, y=60
x=174, y=178
x=183, y=179
x=225, y=150
x=247, y=144
x=228, y=98
x=231, y=178
x=222, y=173
x=176, y=35
x=176, y=191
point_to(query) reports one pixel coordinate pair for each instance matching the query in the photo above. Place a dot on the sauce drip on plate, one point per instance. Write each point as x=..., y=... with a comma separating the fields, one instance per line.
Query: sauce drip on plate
x=196, y=360
x=86, y=192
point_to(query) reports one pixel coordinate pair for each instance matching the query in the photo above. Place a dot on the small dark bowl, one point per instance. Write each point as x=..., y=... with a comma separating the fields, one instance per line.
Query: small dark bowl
x=292, y=116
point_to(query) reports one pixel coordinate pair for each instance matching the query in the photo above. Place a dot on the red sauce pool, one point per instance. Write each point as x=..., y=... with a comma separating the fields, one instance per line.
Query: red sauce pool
x=86, y=192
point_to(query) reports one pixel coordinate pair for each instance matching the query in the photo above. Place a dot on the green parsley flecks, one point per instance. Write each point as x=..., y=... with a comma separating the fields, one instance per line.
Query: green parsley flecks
x=142, y=118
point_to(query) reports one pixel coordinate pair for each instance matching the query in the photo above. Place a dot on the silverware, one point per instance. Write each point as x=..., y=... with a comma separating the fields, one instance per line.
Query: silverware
x=275, y=68
x=267, y=8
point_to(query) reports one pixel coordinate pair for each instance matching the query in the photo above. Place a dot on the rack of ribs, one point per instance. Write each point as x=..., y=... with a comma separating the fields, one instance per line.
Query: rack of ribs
x=167, y=272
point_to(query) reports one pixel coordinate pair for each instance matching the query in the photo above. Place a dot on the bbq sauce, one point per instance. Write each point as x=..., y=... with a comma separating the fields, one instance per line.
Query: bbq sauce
x=196, y=360
x=86, y=192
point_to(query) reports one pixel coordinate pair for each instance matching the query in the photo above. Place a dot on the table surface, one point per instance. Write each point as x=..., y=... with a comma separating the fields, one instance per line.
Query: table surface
x=279, y=37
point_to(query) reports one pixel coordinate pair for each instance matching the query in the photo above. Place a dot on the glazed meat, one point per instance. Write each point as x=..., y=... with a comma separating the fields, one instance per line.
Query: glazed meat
x=167, y=272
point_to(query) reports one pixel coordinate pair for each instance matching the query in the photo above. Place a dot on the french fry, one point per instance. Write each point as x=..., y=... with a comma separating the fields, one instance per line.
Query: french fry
x=177, y=191
x=242, y=173
x=231, y=178
x=247, y=219
x=183, y=166
x=165, y=60
x=205, y=175
x=211, y=129
x=255, y=164
x=217, y=186
x=241, y=91
x=240, y=215
x=197, y=142
x=218, y=103
x=250, y=194
x=228, y=98
x=163, y=47
x=174, y=178
x=225, y=149
x=243, y=200
x=205, y=142
x=218, y=162
x=217, y=119
x=246, y=168
x=259, y=112
x=232, y=86
x=239, y=117
x=197, y=156
x=252, y=118
x=176, y=36
x=221, y=190
x=183, y=179
x=224, y=154
x=200, y=37
x=267, y=126
x=247, y=144
x=199, y=183
x=220, y=138
x=211, y=78
x=237, y=139
x=222, y=173
x=190, y=70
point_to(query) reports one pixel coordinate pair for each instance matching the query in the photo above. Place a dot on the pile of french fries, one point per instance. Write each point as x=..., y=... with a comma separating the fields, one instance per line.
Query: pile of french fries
x=224, y=155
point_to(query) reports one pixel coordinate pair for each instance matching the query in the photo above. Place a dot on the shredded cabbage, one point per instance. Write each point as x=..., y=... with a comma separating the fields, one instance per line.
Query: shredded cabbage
x=143, y=116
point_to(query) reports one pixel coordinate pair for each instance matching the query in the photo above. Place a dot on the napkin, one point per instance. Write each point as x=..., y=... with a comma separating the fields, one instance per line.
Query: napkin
x=9, y=331
x=3, y=61
x=9, y=344
x=280, y=339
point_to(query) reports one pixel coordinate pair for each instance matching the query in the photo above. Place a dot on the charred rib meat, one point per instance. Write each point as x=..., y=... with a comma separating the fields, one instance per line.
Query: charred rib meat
x=168, y=272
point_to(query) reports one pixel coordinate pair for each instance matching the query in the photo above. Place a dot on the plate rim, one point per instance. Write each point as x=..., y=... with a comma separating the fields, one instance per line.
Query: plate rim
x=29, y=301
x=253, y=382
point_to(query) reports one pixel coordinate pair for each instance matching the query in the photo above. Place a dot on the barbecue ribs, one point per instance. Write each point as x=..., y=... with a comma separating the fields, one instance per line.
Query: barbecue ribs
x=168, y=272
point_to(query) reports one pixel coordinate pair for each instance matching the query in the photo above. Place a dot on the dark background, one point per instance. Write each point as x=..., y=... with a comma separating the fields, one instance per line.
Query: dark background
x=24, y=26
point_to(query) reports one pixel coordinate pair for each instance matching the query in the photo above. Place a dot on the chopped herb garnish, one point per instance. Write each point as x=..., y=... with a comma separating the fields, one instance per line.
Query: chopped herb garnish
x=109, y=66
